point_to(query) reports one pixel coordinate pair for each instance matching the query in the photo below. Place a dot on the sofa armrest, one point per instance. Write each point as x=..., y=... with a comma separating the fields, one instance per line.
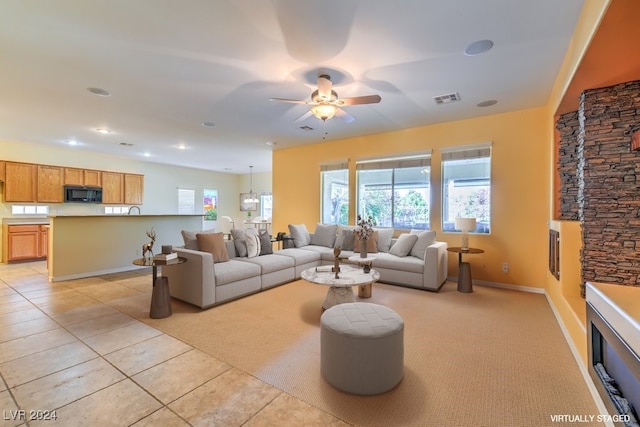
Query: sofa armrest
x=193, y=281
x=435, y=266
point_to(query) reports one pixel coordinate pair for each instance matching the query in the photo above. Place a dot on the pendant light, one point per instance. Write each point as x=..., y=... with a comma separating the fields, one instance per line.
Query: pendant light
x=251, y=197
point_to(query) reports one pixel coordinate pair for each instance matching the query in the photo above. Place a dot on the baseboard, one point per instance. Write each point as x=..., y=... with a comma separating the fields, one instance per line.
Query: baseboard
x=92, y=274
x=502, y=285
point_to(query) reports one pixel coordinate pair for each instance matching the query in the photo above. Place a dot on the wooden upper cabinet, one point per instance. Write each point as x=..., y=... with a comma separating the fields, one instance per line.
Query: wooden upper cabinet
x=92, y=178
x=133, y=189
x=112, y=187
x=1, y=171
x=84, y=177
x=50, y=187
x=20, y=182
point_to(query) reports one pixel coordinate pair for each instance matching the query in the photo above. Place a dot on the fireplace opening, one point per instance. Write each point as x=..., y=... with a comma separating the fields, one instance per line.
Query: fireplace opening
x=614, y=368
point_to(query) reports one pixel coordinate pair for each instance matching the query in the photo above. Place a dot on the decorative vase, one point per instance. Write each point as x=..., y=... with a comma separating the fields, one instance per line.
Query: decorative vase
x=363, y=248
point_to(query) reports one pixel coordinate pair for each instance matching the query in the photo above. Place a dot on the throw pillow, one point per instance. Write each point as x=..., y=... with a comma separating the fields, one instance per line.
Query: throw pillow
x=346, y=240
x=239, y=241
x=384, y=239
x=425, y=239
x=214, y=244
x=265, y=243
x=190, y=240
x=253, y=245
x=372, y=244
x=403, y=245
x=340, y=235
x=325, y=235
x=301, y=236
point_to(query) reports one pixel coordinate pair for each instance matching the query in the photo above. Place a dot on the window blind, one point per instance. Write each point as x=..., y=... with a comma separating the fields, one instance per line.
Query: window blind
x=395, y=163
x=463, y=152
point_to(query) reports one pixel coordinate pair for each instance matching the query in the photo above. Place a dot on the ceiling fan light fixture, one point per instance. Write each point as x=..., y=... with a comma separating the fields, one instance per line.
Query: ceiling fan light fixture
x=324, y=111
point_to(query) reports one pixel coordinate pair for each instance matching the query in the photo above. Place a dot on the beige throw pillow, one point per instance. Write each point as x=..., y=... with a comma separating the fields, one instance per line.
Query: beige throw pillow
x=214, y=244
x=372, y=244
x=403, y=245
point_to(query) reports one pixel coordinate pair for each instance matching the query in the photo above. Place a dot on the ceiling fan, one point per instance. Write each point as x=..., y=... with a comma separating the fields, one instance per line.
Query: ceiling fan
x=325, y=102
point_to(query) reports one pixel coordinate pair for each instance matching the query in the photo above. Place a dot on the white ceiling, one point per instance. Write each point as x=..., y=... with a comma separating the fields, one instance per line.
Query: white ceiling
x=171, y=65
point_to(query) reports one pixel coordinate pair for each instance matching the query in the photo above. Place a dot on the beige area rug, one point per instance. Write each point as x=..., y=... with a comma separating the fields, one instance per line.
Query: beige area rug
x=490, y=358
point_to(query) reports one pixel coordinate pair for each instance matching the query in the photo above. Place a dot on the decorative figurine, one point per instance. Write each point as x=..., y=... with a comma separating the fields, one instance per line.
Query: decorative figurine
x=336, y=261
x=148, y=247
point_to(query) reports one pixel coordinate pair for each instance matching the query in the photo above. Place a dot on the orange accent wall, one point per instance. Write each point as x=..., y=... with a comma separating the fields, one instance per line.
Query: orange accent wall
x=520, y=187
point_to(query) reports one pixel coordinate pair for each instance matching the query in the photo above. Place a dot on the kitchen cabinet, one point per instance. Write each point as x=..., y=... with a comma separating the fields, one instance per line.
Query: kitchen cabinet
x=133, y=189
x=2, y=171
x=20, y=182
x=25, y=242
x=84, y=177
x=112, y=187
x=50, y=187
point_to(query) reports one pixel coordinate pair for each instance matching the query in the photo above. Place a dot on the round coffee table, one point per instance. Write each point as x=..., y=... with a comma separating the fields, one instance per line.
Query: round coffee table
x=339, y=289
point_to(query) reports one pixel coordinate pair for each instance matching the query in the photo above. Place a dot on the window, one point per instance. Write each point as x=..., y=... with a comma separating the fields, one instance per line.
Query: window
x=334, y=180
x=466, y=186
x=396, y=192
x=29, y=209
x=266, y=205
x=210, y=204
x=186, y=201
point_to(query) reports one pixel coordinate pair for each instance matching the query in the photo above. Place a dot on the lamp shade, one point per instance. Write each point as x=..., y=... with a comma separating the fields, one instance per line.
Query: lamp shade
x=465, y=224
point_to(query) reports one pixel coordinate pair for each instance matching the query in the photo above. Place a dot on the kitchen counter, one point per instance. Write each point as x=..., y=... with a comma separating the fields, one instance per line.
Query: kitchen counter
x=619, y=305
x=127, y=216
x=25, y=221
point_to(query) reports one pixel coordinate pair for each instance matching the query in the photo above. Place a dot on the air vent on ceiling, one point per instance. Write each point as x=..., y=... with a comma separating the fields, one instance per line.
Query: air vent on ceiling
x=306, y=128
x=447, y=99
x=126, y=144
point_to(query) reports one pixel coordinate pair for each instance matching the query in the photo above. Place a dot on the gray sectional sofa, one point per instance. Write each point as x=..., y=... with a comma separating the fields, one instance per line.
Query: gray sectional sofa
x=205, y=283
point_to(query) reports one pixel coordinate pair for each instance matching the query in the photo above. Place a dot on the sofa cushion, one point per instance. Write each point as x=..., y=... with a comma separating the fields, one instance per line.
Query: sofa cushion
x=272, y=262
x=403, y=245
x=345, y=239
x=300, y=235
x=214, y=244
x=385, y=235
x=372, y=244
x=234, y=270
x=253, y=245
x=325, y=235
x=265, y=243
x=425, y=239
x=190, y=240
x=300, y=256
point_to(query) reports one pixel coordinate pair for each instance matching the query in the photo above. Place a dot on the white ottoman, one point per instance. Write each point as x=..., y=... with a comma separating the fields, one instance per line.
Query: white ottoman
x=362, y=347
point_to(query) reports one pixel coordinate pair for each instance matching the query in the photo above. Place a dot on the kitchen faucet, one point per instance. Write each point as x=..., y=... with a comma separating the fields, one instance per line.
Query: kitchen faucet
x=131, y=208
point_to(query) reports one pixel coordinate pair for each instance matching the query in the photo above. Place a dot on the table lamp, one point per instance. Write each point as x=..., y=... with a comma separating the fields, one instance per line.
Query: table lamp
x=465, y=225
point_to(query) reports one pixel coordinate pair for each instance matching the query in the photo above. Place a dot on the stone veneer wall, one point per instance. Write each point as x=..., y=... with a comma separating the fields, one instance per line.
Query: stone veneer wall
x=567, y=163
x=609, y=184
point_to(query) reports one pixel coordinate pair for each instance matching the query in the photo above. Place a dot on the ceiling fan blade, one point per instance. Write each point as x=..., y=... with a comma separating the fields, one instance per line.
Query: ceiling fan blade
x=293, y=101
x=303, y=117
x=358, y=100
x=344, y=116
x=324, y=87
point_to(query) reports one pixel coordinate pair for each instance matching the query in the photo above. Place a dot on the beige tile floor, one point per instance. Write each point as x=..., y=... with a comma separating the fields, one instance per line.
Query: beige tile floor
x=67, y=351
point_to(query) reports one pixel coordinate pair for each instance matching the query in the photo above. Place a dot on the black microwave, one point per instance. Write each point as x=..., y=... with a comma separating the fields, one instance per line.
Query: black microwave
x=76, y=194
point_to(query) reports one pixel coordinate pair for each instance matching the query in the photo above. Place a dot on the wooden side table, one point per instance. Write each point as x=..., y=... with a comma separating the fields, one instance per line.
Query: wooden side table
x=160, y=296
x=465, y=283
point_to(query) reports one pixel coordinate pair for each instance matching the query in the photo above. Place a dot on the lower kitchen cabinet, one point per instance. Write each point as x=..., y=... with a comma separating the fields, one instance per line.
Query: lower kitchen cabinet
x=25, y=242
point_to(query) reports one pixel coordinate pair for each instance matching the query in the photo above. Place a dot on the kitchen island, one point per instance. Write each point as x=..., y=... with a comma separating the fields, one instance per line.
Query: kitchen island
x=84, y=246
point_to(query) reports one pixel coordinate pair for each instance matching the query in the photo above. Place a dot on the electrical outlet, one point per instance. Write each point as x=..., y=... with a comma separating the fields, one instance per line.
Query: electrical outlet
x=505, y=267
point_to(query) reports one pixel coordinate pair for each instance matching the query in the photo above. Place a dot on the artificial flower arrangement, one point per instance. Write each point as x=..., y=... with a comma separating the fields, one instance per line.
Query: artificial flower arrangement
x=365, y=229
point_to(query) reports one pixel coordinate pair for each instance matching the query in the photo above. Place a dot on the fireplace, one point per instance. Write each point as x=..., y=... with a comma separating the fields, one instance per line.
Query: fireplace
x=614, y=365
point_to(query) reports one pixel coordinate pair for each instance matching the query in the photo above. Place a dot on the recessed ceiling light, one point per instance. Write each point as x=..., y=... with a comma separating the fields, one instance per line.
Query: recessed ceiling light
x=98, y=91
x=478, y=47
x=147, y=154
x=103, y=131
x=72, y=142
x=208, y=124
x=182, y=147
x=487, y=103
x=271, y=143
